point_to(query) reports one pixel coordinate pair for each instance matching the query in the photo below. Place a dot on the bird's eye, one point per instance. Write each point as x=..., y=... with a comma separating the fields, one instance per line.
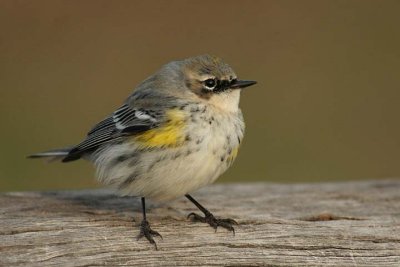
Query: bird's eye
x=210, y=84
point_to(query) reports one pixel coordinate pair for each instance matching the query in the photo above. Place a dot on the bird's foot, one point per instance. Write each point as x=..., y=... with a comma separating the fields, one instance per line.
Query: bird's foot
x=146, y=231
x=214, y=222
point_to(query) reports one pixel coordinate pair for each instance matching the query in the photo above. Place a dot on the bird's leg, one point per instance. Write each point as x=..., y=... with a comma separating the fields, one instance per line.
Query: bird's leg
x=209, y=218
x=145, y=230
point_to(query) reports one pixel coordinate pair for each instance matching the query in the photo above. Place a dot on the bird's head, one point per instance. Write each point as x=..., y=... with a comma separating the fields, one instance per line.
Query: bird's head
x=204, y=78
x=207, y=75
x=214, y=81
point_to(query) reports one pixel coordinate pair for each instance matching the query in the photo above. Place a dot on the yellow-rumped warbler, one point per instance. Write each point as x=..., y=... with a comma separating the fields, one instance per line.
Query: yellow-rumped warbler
x=178, y=131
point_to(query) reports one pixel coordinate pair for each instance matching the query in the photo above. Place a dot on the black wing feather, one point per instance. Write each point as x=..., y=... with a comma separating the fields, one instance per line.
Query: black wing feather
x=123, y=122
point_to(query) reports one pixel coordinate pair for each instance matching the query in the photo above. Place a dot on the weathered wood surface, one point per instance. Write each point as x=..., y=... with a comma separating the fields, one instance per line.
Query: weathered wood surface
x=335, y=224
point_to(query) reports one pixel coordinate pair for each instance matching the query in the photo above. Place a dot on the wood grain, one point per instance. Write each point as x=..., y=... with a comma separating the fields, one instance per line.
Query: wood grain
x=330, y=224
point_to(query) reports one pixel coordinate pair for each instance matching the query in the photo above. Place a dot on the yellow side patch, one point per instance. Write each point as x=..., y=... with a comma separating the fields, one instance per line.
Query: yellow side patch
x=171, y=134
x=233, y=154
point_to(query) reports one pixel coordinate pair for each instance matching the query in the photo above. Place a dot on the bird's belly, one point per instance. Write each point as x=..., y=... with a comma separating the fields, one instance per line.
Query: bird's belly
x=178, y=174
x=168, y=173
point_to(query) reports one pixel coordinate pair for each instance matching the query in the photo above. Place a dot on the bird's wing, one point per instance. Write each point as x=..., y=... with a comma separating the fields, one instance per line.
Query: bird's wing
x=126, y=120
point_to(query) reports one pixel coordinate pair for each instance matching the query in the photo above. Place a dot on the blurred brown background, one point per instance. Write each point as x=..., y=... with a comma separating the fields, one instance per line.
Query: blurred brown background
x=326, y=107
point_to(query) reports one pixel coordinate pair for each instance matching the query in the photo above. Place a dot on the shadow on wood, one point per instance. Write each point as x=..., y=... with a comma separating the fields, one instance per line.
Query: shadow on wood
x=330, y=224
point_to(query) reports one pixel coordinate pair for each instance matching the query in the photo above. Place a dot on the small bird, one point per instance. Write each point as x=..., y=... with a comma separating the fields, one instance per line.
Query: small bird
x=178, y=131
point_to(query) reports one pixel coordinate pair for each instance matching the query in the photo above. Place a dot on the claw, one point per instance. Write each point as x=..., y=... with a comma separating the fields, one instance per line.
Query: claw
x=229, y=222
x=146, y=231
x=191, y=214
x=214, y=222
x=197, y=217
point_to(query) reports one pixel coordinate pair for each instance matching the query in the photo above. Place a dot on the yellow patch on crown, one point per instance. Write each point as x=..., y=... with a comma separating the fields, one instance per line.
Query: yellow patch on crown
x=215, y=59
x=170, y=134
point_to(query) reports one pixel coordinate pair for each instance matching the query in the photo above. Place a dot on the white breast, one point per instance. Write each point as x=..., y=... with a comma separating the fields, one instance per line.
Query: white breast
x=164, y=174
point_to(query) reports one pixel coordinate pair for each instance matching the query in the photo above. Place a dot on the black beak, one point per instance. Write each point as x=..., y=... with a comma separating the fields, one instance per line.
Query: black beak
x=241, y=84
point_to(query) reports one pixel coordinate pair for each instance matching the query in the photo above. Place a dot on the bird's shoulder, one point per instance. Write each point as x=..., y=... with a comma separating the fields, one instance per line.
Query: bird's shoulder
x=141, y=112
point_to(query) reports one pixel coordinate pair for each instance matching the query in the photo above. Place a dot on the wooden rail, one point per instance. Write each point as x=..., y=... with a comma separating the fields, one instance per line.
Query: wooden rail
x=329, y=224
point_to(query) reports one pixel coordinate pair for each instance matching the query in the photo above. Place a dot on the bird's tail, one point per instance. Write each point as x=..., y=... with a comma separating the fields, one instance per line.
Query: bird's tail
x=52, y=155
